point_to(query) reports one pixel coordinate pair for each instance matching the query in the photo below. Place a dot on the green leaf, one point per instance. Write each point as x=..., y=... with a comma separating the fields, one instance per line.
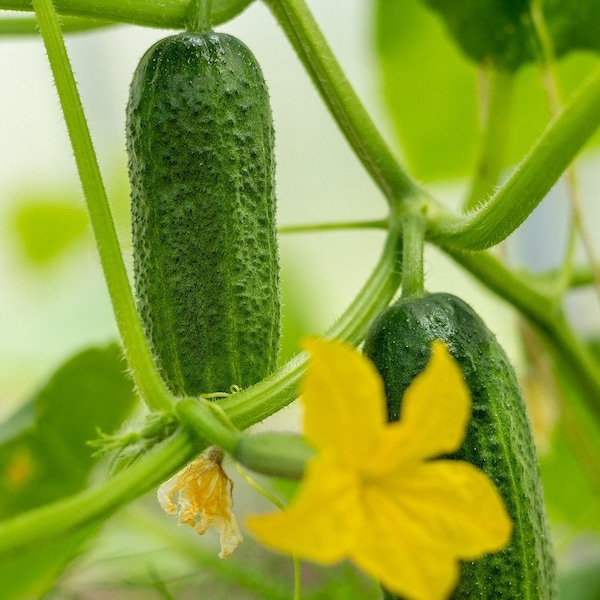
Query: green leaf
x=45, y=228
x=32, y=572
x=568, y=491
x=430, y=89
x=44, y=456
x=581, y=582
x=571, y=471
x=500, y=33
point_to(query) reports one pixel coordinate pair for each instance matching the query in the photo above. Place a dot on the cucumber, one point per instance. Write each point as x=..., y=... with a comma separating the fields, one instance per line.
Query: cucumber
x=201, y=165
x=498, y=438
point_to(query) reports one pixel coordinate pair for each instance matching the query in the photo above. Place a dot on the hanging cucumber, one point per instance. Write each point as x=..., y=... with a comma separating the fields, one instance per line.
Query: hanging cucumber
x=498, y=438
x=201, y=165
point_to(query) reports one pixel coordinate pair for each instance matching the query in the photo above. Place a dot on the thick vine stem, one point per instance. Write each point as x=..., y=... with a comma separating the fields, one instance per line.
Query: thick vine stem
x=19, y=26
x=508, y=208
x=170, y=14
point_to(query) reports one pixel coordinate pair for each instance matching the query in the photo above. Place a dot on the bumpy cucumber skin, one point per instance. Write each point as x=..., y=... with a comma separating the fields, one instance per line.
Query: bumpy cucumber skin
x=201, y=164
x=498, y=438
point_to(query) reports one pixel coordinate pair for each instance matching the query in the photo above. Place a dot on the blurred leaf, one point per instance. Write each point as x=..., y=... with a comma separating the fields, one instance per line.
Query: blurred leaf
x=430, y=89
x=33, y=571
x=570, y=497
x=44, y=457
x=46, y=228
x=571, y=471
x=581, y=583
x=500, y=33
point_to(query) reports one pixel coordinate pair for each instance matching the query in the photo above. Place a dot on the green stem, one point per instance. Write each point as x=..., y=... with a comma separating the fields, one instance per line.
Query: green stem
x=413, y=231
x=198, y=415
x=377, y=224
x=199, y=19
x=530, y=182
x=28, y=25
x=341, y=99
x=170, y=14
x=100, y=501
x=490, y=160
x=144, y=373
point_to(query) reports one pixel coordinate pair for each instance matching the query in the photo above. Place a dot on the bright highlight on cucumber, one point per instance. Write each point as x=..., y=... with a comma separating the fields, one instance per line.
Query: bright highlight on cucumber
x=201, y=165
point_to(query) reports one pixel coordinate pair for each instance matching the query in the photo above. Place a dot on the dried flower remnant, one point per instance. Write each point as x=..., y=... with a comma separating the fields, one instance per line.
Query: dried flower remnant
x=204, y=499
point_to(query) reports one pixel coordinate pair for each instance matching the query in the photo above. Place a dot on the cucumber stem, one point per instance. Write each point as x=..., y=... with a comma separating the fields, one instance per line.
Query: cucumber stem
x=413, y=236
x=198, y=415
x=198, y=18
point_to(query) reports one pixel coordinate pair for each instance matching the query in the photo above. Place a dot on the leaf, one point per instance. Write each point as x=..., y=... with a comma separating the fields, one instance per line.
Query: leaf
x=501, y=34
x=32, y=572
x=581, y=582
x=430, y=89
x=45, y=228
x=567, y=489
x=571, y=471
x=224, y=10
x=44, y=456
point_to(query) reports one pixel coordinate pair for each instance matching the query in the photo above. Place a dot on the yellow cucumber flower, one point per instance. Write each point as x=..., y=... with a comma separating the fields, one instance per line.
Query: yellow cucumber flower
x=376, y=493
x=203, y=499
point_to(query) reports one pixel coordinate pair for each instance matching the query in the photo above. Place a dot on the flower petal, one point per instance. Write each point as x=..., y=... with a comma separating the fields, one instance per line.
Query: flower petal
x=456, y=505
x=344, y=401
x=322, y=520
x=435, y=410
x=393, y=550
x=426, y=519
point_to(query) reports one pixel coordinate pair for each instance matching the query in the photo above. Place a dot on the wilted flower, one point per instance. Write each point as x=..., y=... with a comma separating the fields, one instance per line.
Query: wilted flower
x=204, y=499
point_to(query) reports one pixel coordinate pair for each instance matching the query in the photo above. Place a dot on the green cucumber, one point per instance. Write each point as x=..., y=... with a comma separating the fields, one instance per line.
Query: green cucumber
x=498, y=438
x=201, y=165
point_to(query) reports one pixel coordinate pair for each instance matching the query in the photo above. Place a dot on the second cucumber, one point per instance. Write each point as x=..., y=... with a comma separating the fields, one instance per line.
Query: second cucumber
x=201, y=165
